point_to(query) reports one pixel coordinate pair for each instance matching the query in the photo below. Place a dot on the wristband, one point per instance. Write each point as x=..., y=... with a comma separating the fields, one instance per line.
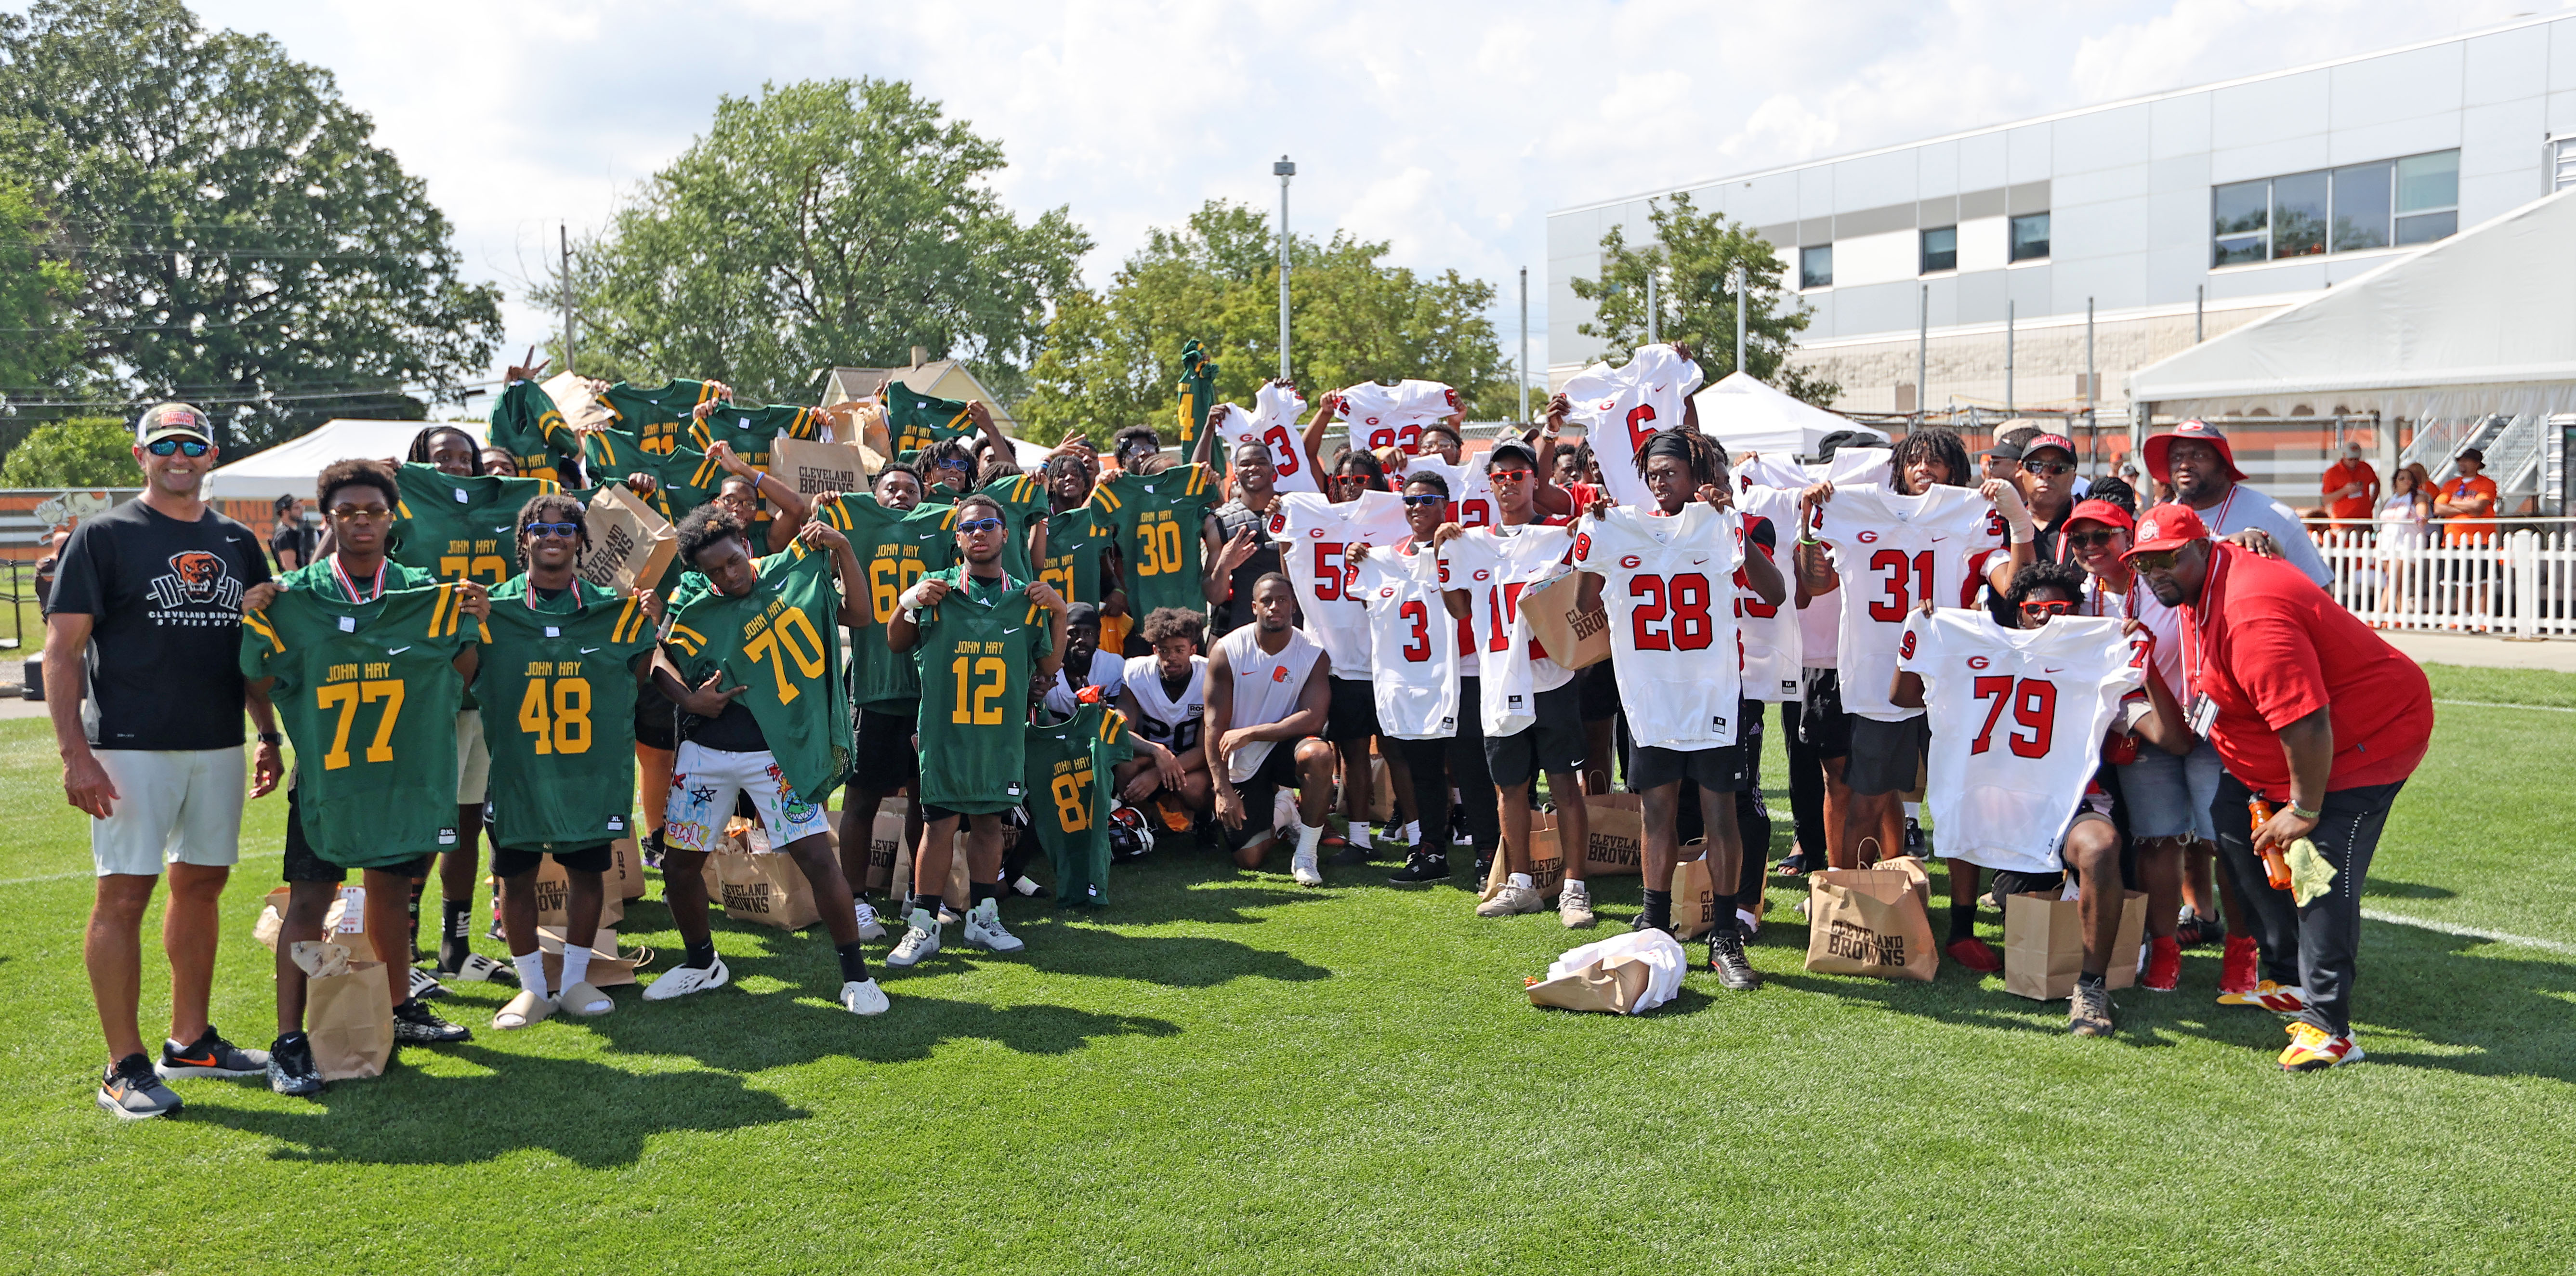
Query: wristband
x=2294, y=809
x=272, y=737
x=1809, y=540
x=2024, y=532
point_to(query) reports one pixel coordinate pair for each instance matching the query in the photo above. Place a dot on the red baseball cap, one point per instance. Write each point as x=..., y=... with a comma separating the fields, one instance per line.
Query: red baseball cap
x=2102, y=512
x=2058, y=441
x=2171, y=525
x=2203, y=431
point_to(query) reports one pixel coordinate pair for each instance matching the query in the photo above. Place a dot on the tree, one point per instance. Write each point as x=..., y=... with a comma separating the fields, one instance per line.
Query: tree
x=87, y=451
x=826, y=222
x=241, y=241
x=1693, y=258
x=1113, y=358
x=39, y=351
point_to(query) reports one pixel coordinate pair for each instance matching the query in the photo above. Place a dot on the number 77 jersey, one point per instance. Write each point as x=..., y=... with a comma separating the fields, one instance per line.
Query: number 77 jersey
x=1892, y=552
x=2017, y=722
x=1668, y=584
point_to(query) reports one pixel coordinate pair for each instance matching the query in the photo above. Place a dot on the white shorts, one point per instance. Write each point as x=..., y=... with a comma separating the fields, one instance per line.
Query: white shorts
x=704, y=783
x=174, y=807
x=473, y=759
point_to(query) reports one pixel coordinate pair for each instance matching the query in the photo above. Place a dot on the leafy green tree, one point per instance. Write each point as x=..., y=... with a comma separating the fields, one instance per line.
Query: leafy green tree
x=821, y=223
x=1693, y=258
x=38, y=349
x=88, y=451
x=241, y=241
x=1113, y=358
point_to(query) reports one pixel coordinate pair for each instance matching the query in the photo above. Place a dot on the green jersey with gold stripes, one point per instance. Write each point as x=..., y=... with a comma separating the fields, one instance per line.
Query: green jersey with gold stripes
x=1070, y=780
x=895, y=549
x=1077, y=556
x=779, y=641
x=557, y=682
x=461, y=527
x=915, y=421
x=750, y=431
x=527, y=424
x=656, y=415
x=978, y=649
x=1156, y=519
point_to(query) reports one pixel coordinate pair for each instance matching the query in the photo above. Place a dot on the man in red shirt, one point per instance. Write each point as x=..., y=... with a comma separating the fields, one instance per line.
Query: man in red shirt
x=2317, y=717
x=2351, y=487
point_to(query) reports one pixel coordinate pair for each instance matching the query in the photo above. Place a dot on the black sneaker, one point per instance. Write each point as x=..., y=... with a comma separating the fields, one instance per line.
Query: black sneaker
x=1726, y=957
x=2196, y=931
x=291, y=1070
x=210, y=1056
x=1352, y=855
x=133, y=1091
x=1458, y=834
x=416, y=1025
x=1421, y=868
x=1913, y=837
x=1484, y=869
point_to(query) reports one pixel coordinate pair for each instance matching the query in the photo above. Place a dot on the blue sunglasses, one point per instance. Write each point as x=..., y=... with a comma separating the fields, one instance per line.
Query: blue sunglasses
x=973, y=525
x=567, y=531
x=165, y=447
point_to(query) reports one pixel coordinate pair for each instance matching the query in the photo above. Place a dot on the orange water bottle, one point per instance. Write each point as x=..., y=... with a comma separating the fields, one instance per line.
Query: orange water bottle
x=2276, y=866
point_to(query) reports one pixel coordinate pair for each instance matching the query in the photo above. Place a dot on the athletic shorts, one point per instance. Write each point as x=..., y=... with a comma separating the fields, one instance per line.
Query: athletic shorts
x=1719, y=770
x=704, y=784
x=304, y=864
x=1553, y=743
x=1886, y=756
x=1600, y=684
x=510, y=861
x=1824, y=727
x=2169, y=796
x=883, y=755
x=1354, y=712
x=174, y=806
x=473, y=760
x=1260, y=794
x=657, y=720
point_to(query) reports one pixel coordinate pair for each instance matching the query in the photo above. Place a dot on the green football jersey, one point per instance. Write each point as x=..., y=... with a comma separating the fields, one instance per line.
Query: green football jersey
x=1077, y=556
x=368, y=696
x=557, y=682
x=658, y=415
x=1156, y=519
x=782, y=642
x=1070, y=781
x=978, y=648
x=1024, y=504
x=527, y=424
x=750, y=431
x=917, y=420
x=461, y=528
x=319, y=577
x=895, y=548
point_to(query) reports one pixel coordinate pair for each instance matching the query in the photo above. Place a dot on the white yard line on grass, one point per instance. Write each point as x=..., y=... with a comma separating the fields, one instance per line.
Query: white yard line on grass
x=89, y=872
x=2470, y=932
x=2491, y=704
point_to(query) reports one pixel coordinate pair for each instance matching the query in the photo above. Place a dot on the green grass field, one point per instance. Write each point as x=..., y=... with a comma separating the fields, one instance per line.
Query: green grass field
x=1224, y=1073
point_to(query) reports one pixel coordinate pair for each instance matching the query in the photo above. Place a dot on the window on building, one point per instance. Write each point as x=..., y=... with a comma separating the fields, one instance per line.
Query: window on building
x=1940, y=248
x=2414, y=200
x=2562, y=174
x=2030, y=237
x=2428, y=197
x=1816, y=266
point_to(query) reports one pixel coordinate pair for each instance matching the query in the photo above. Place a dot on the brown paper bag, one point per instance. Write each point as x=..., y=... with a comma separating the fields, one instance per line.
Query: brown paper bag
x=2125, y=942
x=2043, y=946
x=900, y=876
x=554, y=887
x=1869, y=922
x=885, y=843
x=348, y=1015
x=607, y=968
x=1547, y=861
x=1616, y=831
x=581, y=409
x=345, y=923
x=629, y=541
x=1918, y=877
x=1608, y=987
x=764, y=888
x=625, y=872
x=1381, y=791
x=1695, y=901
x=815, y=468
x=1572, y=637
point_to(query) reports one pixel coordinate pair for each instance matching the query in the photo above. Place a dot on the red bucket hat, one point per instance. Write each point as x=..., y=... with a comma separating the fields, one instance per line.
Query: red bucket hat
x=2158, y=445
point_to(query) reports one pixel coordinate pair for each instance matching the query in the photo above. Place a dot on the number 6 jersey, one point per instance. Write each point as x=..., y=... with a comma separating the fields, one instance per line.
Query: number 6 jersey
x=2017, y=722
x=1668, y=583
x=1892, y=552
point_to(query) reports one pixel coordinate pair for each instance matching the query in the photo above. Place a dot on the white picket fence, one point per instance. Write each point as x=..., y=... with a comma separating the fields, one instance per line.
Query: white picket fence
x=2519, y=583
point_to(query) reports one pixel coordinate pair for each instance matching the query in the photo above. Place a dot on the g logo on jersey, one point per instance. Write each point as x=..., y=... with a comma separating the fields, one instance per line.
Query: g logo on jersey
x=1866, y=536
x=1387, y=592
x=1482, y=574
x=1974, y=662
x=1316, y=532
x=1631, y=561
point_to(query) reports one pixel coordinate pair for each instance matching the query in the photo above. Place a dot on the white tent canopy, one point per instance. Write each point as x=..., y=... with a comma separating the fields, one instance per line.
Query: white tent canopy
x=289, y=468
x=2479, y=323
x=1747, y=415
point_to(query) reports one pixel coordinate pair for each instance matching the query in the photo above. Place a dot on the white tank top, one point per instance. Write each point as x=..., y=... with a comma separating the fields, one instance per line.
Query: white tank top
x=1266, y=687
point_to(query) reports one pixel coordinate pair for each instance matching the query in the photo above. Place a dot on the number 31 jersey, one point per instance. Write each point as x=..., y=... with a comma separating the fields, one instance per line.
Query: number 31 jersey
x=1272, y=423
x=1892, y=552
x=2017, y=722
x=1668, y=583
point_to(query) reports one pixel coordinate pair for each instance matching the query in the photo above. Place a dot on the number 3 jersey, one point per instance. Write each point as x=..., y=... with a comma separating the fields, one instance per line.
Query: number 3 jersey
x=2017, y=718
x=1413, y=643
x=979, y=649
x=1620, y=408
x=368, y=694
x=1669, y=586
x=1892, y=552
x=557, y=684
x=1272, y=423
x=1314, y=537
x=778, y=643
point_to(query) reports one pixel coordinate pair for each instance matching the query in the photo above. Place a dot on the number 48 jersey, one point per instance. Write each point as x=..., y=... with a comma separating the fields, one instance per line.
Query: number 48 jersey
x=1669, y=586
x=1272, y=423
x=1892, y=552
x=2017, y=722
x=558, y=696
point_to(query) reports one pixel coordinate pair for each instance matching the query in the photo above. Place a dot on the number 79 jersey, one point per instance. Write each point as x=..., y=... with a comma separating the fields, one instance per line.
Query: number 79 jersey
x=1892, y=552
x=1272, y=423
x=1668, y=584
x=2017, y=722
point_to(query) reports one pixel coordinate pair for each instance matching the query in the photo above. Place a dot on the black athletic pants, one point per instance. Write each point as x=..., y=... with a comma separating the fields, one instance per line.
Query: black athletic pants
x=1806, y=788
x=2313, y=947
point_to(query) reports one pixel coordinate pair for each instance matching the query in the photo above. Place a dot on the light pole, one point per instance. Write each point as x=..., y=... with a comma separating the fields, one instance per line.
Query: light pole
x=1653, y=336
x=1521, y=372
x=1284, y=170
x=563, y=241
x=1738, y=273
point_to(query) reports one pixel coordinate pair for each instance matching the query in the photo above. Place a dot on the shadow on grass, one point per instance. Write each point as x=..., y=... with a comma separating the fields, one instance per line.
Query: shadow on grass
x=2392, y=889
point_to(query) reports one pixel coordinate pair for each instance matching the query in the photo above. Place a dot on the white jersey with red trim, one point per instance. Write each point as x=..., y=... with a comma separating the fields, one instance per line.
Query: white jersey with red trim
x=1620, y=408
x=1413, y=642
x=2017, y=723
x=1314, y=537
x=1773, y=642
x=1273, y=424
x=1893, y=551
x=1393, y=415
x=1668, y=584
x=1168, y=720
x=1471, y=494
x=1267, y=686
x=2142, y=605
x=1494, y=565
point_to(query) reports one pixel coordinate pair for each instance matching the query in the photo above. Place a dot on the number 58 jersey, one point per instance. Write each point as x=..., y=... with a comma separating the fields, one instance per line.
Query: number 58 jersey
x=1668, y=584
x=2017, y=722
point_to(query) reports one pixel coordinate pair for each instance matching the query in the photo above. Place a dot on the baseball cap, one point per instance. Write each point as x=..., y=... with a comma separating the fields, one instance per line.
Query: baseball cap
x=2478, y=455
x=2171, y=525
x=1512, y=447
x=2201, y=431
x=2102, y=512
x=2058, y=441
x=2008, y=451
x=171, y=421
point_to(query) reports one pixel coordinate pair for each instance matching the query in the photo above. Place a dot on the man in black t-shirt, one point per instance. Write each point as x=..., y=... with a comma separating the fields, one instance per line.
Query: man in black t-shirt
x=143, y=635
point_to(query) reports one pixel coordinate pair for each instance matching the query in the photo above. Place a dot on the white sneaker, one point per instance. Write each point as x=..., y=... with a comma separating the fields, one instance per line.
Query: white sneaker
x=680, y=981
x=869, y=926
x=1574, y=905
x=863, y=997
x=1302, y=867
x=1510, y=900
x=984, y=929
x=920, y=940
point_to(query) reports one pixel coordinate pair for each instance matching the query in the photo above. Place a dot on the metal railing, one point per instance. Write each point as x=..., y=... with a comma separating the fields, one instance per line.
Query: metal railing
x=2517, y=581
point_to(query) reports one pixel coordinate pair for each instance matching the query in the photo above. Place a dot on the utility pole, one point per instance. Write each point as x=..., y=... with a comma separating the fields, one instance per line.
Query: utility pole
x=1652, y=338
x=563, y=241
x=2199, y=303
x=1283, y=170
x=1738, y=272
x=1922, y=358
x=2092, y=393
x=1521, y=372
x=2009, y=409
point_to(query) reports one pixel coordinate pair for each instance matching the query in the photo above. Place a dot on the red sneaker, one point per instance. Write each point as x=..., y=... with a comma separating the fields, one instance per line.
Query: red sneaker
x=2236, y=970
x=1975, y=954
x=2164, y=965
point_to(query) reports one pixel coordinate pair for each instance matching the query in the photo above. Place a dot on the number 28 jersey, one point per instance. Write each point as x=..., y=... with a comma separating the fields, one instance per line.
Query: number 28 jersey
x=1668, y=584
x=1892, y=552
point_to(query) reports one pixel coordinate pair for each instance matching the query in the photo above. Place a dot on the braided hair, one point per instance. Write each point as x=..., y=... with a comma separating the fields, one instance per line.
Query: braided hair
x=1935, y=443
x=554, y=507
x=1705, y=456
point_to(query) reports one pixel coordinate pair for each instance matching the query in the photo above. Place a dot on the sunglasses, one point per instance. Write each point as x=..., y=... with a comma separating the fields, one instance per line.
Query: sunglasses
x=188, y=447
x=2044, y=609
x=358, y=513
x=2156, y=560
x=2089, y=540
x=2054, y=469
x=970, y=526
x=565, y=530
x=1427, y=498
x=948, y=463
x=1508, y=476
x=1345, y=480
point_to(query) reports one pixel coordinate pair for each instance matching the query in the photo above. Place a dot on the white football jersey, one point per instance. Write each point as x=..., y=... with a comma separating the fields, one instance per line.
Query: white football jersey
x=1773, y=642
x=1170, y=721
x=1471, y=494
x=2140, y=604
x=2017, y=722
x=1668, y=584
x=1393, y=415
x=1892, y=552
x=1494, y=565
x=1273, y=424
x=1620, y=408
x=1413, y=643
x=1267, y=686
x=1314, y=537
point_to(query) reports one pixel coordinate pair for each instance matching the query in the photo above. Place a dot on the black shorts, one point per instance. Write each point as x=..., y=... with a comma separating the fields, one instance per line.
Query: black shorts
x=882, y=758
x=1553, y=743
x=1824, y=728
x=1354, y=712
x=657, y=720
x=1261, y=792
x=1886, y=757
x=1600, y=684
x=304, y=864
x=1720, y=770
x=510, y=861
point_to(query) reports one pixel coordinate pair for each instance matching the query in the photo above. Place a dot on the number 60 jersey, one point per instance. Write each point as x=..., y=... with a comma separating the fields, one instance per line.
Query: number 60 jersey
x=2017, y=723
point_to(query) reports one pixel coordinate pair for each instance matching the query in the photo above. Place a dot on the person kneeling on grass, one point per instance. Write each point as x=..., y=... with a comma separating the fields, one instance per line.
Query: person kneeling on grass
x=1267, y=685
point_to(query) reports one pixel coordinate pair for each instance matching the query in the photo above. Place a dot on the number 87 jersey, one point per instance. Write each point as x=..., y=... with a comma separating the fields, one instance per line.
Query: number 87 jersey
x=1669, y=586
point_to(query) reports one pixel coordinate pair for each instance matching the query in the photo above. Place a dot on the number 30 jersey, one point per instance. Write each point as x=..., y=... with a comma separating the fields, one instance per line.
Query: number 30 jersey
x=1413, y=643
x=779, y=643
x=1892, y=552
x=2017, y=723
x=1272, y=423
x=1668, y=584
x=557, y=684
